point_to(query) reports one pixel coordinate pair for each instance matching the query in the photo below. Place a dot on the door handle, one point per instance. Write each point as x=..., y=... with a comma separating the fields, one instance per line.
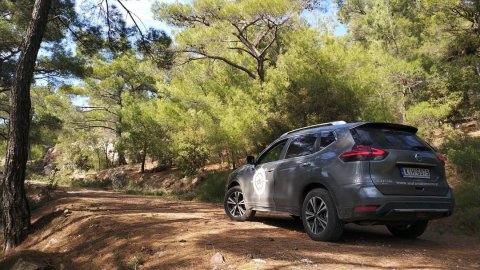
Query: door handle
x=270, y=170
x=305, y=164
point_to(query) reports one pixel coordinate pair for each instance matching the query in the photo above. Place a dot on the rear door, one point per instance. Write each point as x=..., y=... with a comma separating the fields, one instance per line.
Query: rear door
x=411, y=166
x=294, y=170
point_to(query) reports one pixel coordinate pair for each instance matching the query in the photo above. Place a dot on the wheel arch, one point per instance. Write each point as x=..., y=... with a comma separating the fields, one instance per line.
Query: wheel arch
x=233, y=183
x=316, y=185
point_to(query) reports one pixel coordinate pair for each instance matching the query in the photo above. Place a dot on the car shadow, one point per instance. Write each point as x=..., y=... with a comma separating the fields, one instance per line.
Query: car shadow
x=375, y=234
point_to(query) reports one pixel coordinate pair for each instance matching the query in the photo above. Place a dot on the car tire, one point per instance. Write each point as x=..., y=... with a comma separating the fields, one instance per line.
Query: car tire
x=319, y=216
x=235, y=206
x=410, y=231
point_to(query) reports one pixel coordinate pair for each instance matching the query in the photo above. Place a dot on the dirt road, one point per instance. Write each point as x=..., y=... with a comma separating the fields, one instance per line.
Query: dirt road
x=105, y=230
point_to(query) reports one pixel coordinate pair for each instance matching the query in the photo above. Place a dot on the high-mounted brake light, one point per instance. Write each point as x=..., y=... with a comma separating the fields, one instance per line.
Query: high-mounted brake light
x=440, y=156
x=363, y=153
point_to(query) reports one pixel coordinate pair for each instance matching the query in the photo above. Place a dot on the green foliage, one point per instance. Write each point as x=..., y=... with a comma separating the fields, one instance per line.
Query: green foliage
x=464, y=153
x=142, y=133
x=434, y=52
x=213, y=187
x=135, y=262
x=430, y=116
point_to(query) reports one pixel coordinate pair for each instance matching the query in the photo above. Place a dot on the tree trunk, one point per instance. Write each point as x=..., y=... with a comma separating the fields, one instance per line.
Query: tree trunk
x=16, y=212
x=144, y=158
x=403, y=107
x=232, y=154
x=118, y=131
x=260, y=69
x=105, y=152
x=121, y=154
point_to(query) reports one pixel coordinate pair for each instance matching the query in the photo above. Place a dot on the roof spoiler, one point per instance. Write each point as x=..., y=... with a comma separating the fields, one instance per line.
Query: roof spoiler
x=316, y=126
x=390, y=126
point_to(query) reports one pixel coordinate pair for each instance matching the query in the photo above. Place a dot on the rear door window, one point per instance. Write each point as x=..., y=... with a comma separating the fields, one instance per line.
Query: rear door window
x=388, y=139
x=302, y=146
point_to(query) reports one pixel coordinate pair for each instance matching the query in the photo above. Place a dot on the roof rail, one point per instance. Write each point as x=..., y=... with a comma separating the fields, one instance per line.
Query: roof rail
x=316, y=126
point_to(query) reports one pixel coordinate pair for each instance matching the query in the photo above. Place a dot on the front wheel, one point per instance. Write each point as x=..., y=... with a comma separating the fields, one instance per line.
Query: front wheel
x=235, y=206
x=410, y=231
x=320, y=218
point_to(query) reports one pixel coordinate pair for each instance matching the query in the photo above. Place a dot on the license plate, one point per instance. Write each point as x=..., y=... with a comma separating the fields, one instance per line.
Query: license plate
x=415, y=173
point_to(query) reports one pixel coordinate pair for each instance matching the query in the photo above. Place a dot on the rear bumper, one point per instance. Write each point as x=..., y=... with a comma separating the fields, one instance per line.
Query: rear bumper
x=396, y=209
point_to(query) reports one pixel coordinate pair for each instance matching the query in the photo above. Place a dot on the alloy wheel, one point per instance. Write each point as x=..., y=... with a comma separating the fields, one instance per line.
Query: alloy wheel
x=236, y=204
x=316, y=215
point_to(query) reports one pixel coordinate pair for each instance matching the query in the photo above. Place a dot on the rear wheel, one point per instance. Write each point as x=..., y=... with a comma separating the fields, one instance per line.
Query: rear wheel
x=410, y=231
x=235, y=206
x=320, y=218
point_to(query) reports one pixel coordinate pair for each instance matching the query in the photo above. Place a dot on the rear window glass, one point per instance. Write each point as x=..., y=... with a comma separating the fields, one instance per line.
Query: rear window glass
x=388, y=139
x=327, y=138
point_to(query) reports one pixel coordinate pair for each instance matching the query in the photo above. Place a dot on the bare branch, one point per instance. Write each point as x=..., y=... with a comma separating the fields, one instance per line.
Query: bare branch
x=95, y=126
x=109, y=31
x=227, y=61
x=142, y=36
x=243, y=50
x=94, y=108
x=12, y=53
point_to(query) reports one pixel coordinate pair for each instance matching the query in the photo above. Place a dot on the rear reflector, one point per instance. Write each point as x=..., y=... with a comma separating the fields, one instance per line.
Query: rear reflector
x=362, y=153
x=365, y=208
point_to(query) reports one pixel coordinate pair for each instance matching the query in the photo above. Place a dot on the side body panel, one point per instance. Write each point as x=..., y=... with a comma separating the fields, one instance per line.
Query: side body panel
x=291, y=177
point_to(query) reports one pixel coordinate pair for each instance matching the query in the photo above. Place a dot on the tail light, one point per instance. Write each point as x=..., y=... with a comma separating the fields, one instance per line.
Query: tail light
x=363, y=153
x=440, y=156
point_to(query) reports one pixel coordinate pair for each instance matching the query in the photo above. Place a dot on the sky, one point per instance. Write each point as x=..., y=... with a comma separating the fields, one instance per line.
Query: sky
x=142, y=9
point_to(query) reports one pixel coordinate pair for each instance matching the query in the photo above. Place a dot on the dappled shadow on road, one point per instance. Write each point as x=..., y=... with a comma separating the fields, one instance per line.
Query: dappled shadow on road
x=280, y=221
x=105, y=230
x=285, y=244
x=108, y=229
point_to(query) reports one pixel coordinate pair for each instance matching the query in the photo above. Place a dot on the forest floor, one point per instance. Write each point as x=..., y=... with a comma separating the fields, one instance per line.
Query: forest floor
x=91, y=229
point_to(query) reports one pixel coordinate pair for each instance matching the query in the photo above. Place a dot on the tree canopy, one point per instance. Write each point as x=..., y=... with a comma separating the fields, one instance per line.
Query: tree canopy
x=242, y=72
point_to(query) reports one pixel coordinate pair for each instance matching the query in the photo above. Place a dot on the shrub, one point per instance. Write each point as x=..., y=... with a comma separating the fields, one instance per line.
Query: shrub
x=135, y=262
x=83, y=183
x=118, y=179
x=464, y=153
x=213, y=188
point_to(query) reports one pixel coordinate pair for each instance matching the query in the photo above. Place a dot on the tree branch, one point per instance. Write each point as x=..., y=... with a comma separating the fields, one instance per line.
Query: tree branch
x=94, y=108
x=96, y=126
x=227, y=61
x=243, y=50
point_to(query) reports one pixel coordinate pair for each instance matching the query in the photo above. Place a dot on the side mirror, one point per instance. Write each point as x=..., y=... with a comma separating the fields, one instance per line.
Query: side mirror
x=251, y=160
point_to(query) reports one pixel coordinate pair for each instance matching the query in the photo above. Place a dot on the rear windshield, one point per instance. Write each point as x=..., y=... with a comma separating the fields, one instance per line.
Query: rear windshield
x=388, y=139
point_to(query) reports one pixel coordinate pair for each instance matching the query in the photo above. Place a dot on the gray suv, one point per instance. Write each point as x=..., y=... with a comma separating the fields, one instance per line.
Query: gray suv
x=335, y=173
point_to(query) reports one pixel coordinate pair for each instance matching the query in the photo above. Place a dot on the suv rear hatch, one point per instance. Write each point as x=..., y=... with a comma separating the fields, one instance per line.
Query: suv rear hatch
x=410, y=166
